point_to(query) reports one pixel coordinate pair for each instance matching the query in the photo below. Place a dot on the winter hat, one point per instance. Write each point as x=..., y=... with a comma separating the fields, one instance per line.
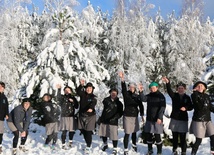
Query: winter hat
x=153, y=84
x=89, y=84
x=181, y=84
x=113, y=89
x=199, y=82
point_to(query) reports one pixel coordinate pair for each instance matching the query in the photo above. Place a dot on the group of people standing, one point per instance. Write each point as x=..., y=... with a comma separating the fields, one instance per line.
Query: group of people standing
x=113, y=109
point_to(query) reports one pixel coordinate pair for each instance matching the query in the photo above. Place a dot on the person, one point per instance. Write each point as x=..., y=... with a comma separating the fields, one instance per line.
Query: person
x=132, y=102
x=87, y=113
x=18, y=122
x=181, y=103
x=156, y=104
x=112, y=111
x=51, y=119
x=201, y=124
x=68, y=122
x=4, y=112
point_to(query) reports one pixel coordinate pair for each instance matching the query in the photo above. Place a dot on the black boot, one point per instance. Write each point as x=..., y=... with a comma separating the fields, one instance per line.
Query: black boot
x=194, y=151
x=150, y=149
x=159, y=149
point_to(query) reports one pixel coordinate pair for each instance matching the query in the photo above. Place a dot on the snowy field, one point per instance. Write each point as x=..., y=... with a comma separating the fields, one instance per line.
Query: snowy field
x=37, y=138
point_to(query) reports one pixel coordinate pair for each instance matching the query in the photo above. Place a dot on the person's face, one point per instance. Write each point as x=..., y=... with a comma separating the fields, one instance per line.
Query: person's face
x=153, y=89
x=113, y=95
x=89, y=90
x=200, y=88
x=181, y=90
x=46, y=98
x=132, y=88
x=67, y=91
x=26, y=105
x=1, y=89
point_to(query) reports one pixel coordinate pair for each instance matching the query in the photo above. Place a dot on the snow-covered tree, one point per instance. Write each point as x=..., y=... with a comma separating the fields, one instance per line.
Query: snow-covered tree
x=63, y=61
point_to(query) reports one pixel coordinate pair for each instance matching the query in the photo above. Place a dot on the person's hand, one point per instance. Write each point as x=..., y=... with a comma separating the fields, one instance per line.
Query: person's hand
x=183, y=109
x=164, y=79
x=71, y=100
x=140, y=87
x=58, y=86
x=90, y=110
x=23, y=134
x=142, y=118
x=82, y=82
x=121, y=75
x=6, y=117
x=159, y=121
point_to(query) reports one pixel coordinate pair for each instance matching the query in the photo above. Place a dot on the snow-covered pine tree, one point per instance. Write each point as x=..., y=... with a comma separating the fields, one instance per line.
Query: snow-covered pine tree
x=63, y=61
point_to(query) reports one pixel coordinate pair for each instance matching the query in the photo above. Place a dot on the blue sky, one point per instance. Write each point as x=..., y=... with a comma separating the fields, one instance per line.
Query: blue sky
x=166, y=6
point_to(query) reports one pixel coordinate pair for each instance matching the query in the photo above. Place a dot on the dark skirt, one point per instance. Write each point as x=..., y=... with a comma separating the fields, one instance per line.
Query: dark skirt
x=87, y=123
x=178, y=126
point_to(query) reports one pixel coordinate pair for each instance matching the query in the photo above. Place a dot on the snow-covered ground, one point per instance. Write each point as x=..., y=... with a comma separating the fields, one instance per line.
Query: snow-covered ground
x=37, y=138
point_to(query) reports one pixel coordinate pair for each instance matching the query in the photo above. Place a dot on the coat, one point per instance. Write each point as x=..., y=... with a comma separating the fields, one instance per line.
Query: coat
x=19, y=115
x=51, y=112
x=202, y=107
x=4, y=110
x=177, y=103
x=132, y=102
x=87, y=101
x=112, y=111
x=67, y=107
x=156, y=104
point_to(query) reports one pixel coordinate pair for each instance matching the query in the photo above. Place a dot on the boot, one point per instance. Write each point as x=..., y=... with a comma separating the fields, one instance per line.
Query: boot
x=70, y=143
x=23, y=148
x=114, y=152
x=105, y=147
x=159, y=149
x=1, y=150
x=194, y=151
x=14, y=151
x=126, y=152
x=134, y=148
x=150, y=149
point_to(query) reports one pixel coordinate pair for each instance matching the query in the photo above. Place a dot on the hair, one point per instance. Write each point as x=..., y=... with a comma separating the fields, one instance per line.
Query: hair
x=181, y=84
x=2, y=84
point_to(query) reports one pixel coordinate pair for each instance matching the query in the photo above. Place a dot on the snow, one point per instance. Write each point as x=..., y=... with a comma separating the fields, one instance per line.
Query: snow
x=37, y=138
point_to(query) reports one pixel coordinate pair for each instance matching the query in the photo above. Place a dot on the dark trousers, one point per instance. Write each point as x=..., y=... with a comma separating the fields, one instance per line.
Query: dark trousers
x=1, y=138
x=126, y=139
x=183, y=142
x=53, y=137
x=87, y=136
x=16, y=138
x=64, y=133
x=105, y=139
